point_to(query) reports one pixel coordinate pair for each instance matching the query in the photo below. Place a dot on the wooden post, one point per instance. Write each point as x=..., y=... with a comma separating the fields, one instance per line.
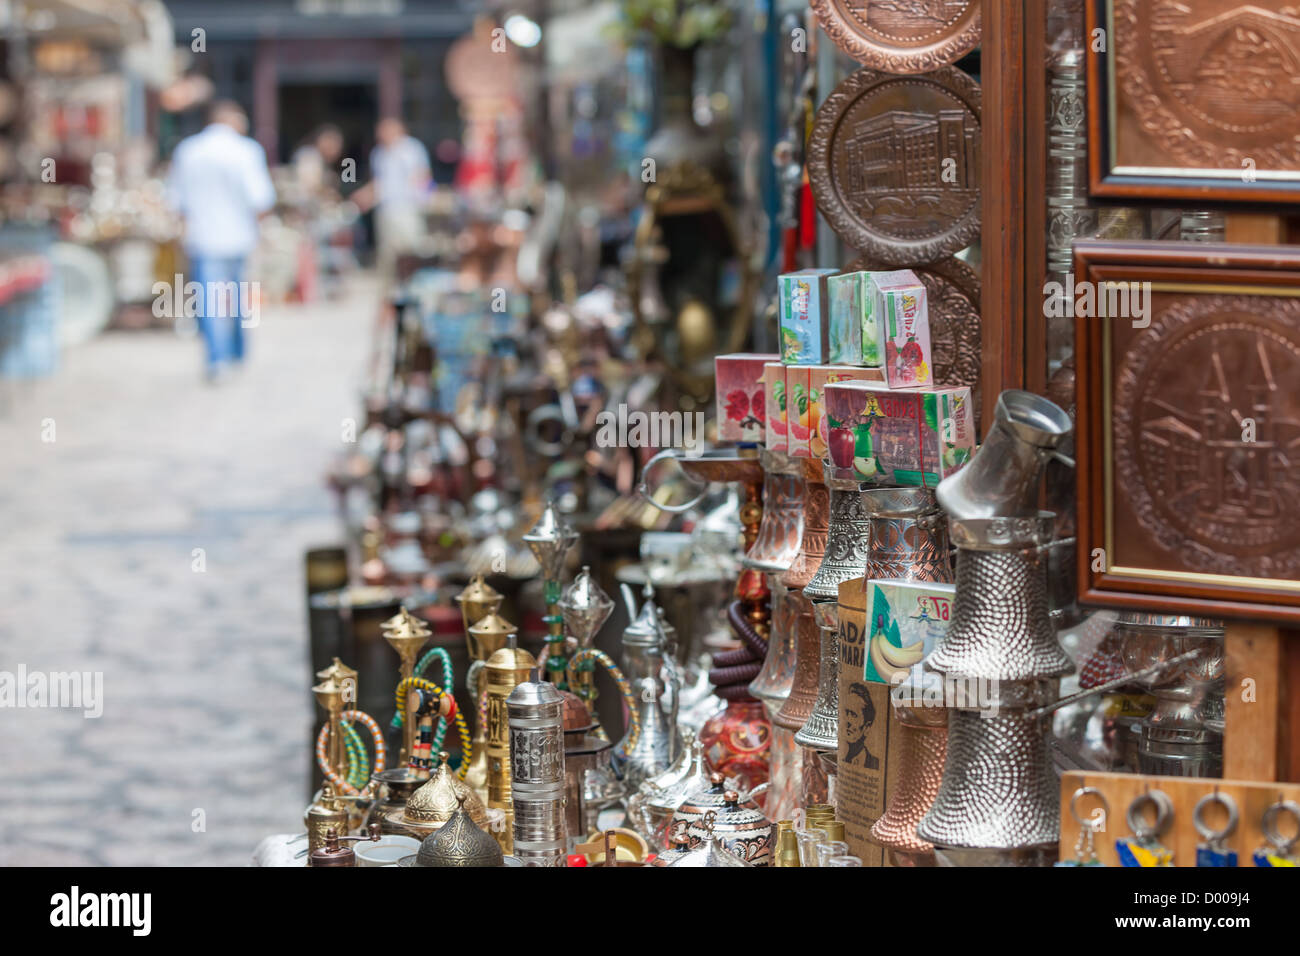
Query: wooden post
x=1254, y=229
x=1254, y=706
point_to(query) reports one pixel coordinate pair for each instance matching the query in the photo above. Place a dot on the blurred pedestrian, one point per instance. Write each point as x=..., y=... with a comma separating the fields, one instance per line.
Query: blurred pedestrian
x=401, y=178
x=316, y=163
x=220, y=186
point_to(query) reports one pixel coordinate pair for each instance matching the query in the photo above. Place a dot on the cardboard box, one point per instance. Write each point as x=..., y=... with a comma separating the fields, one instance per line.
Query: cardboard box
x=906, y=620
x=911, y=437
x=802, y=303
x=775, y=398
x=742, y=407
x=819, y=376
x=797, y=405
x=870, y=745
x=849, y=317
x=902, y=315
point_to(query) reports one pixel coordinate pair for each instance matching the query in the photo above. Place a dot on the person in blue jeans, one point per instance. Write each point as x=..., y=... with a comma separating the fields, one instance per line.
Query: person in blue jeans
x=220, y=185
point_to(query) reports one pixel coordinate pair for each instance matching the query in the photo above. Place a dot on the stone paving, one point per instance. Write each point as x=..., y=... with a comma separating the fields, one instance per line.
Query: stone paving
x=202, y=748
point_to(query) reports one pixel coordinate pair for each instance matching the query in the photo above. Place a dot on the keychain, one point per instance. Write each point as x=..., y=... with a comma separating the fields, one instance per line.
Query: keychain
x=1212, y=852
x=1085, y=847
x=1279, y=852
x=1143, y=848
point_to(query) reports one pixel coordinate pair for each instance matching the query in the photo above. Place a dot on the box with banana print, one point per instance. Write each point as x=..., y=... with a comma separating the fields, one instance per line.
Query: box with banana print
x=906, y=621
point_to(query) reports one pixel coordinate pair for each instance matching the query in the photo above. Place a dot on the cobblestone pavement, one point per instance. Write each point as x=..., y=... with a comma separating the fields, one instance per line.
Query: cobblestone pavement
x=206, y=715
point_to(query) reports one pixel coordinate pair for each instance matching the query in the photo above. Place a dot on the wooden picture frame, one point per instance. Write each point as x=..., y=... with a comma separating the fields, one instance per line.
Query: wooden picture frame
x=1193, y=103
x=1188, y=499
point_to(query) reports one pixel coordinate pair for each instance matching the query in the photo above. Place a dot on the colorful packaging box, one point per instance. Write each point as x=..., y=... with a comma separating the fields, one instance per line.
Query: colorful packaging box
x=854, y=337
x=802, y=302
x=797, y=410
x=774, y=395
x=903, y=317
x=905, y=620
x=819, y=376
x=911, y=437
x=742, y=408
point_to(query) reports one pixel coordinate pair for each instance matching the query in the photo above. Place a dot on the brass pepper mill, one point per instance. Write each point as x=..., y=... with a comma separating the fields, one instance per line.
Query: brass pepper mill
x=505, y=670
x=406, y=634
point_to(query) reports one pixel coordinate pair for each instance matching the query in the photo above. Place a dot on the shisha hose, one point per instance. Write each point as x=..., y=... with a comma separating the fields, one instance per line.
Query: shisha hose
x=322, y=740
x=428, y=686
x=358, y=759
x=625, y=688
x=733, y=670
x=444, y=662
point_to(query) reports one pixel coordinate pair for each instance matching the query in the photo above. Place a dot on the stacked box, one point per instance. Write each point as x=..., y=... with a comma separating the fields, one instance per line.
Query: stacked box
x=775, y=398
x=797, y=410
x=819, y=376
x=905, y=621
x=903, y=321
x=909, y=437
x=802, y=302
x=742, y=407
x=854, y=337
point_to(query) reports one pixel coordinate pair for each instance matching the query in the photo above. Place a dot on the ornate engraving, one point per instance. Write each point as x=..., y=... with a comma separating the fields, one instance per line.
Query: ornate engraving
x=1207, y=430
x=901, y=36
x=894, y=164
x=1213, y=87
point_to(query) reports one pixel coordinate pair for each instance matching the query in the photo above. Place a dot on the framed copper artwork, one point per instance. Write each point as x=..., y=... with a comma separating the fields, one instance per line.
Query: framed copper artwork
x=1194, y=100
x=893, y=162
x=901, y=36
x=1188, y=418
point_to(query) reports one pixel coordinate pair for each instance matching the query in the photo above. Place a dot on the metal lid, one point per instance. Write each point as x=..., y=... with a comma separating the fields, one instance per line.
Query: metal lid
x=511, y=658
x=459, y=842
x=440, y=797
x=534, y=693
x=585, y=607
x=550, y=539
x=646, y=628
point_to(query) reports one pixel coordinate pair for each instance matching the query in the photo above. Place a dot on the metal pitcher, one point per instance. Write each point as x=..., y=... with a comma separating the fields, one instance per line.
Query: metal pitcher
x=654, y=689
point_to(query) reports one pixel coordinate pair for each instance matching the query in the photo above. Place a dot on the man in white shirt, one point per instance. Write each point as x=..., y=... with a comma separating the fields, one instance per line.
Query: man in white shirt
x=401, y=178
x=220, y=185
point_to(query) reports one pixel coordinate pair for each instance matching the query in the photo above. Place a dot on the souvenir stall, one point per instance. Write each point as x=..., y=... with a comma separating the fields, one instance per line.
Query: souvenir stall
x=988, y=557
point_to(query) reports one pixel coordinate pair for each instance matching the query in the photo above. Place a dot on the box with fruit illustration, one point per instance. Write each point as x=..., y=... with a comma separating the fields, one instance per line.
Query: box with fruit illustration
x=819, y=376
x=905, y=621
x=774, y=396
x=802, y=301
x=742, y=409
x=902, y=315
x=798, y=410
x=909, y=437
x=850, y=325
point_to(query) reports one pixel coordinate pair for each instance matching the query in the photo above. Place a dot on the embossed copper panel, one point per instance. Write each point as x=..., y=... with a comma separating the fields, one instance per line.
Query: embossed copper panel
x=894, y=164
x=1196, y=95
x=1189, y=440
x=953, y=297
x=901, y=36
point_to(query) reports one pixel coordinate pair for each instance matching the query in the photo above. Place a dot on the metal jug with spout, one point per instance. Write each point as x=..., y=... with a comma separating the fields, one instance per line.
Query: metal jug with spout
x=656, y=743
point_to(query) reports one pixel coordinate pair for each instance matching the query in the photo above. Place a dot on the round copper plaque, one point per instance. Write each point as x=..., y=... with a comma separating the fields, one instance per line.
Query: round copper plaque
x=952, y=291
x=901, y=36
x=1213, y=84
x=894, y=164
x=1205, y=414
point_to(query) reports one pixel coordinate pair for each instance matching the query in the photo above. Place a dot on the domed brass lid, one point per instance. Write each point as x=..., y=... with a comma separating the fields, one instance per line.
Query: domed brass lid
x=437, y=799
x=489, y=634
x=511, y=658
x=460, y=843
x=478, y=600
x=405, y=632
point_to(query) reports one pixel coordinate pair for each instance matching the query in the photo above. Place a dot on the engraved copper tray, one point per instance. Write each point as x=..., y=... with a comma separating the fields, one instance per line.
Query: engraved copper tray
x=953, y=297
x=1197, y=99
x=894, y=164
x=901, y=36
x=1189, y=430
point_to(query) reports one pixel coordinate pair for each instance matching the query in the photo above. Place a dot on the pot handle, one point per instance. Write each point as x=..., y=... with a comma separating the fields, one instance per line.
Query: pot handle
x=643, y=488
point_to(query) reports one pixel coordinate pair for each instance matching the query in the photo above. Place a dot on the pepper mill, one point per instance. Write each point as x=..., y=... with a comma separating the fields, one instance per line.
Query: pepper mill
x=536, y=718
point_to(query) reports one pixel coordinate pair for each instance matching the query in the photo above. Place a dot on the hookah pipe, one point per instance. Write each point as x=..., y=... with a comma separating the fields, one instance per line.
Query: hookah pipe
x=358, y=770
x=624, y=687
x=432, y=697
x=444, y=663
x=732, y=671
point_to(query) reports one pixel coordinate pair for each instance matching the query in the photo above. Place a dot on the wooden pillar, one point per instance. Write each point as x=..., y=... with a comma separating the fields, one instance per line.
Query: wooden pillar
x=390, y=79
x=266, y=99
